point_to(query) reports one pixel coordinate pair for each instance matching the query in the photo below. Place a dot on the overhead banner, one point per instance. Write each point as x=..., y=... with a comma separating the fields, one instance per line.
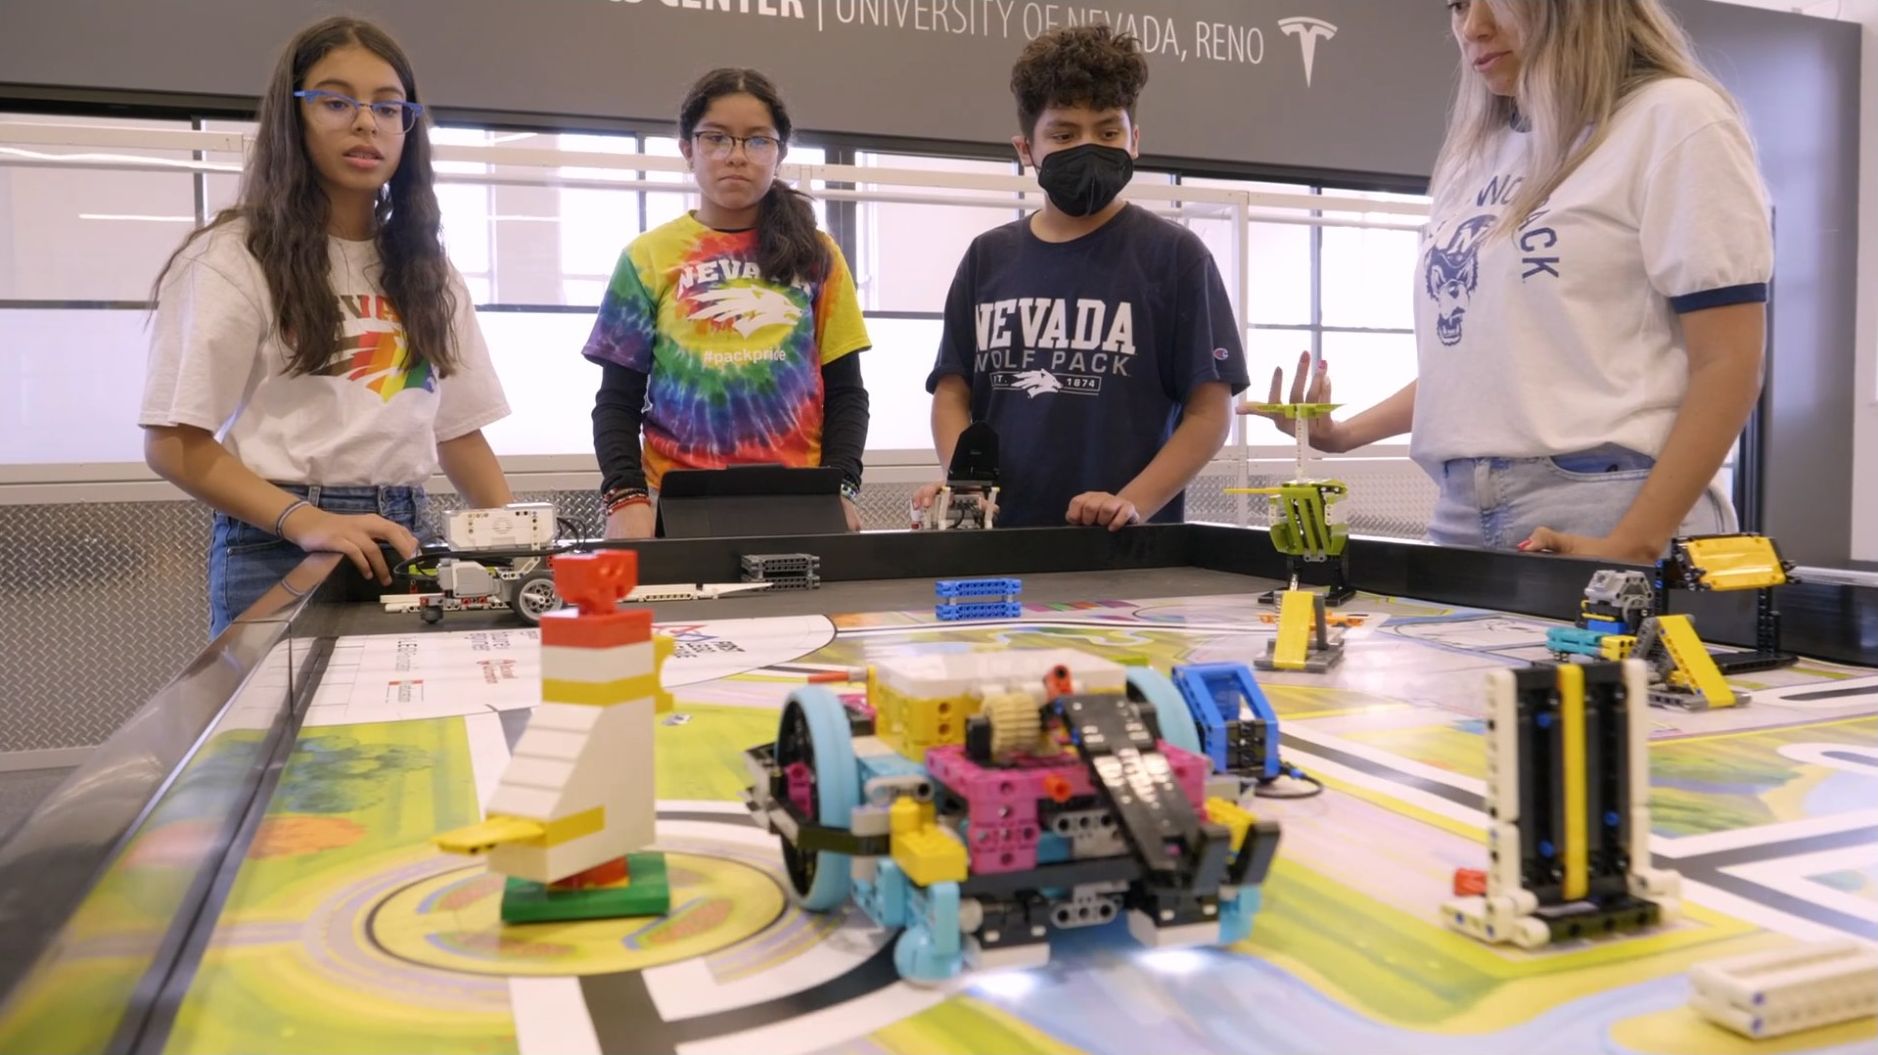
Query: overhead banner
x=1325, y=86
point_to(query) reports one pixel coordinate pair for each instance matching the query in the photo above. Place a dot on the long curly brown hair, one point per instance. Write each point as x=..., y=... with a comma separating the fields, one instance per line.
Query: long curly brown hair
x=286, y=214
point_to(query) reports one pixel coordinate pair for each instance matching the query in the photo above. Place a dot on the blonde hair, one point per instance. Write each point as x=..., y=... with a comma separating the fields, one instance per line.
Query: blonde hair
x=1581, y=60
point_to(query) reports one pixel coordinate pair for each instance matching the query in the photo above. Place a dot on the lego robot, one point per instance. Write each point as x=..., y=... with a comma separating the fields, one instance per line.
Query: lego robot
x=1568, y=793
x=1306, y=528
x=496, y=559
x=969, y=498
x=1624, y=614
x=979, y=801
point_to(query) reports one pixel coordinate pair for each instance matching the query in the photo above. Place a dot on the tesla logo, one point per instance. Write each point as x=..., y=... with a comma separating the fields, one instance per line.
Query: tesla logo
x=1308, y=31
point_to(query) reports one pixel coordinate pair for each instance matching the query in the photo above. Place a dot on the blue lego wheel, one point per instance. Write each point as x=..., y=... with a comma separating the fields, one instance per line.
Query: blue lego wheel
x=1170, y=707
x=814, y=731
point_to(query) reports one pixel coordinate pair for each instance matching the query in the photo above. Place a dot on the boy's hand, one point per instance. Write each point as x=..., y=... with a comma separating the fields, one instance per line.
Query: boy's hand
x=1094, y=508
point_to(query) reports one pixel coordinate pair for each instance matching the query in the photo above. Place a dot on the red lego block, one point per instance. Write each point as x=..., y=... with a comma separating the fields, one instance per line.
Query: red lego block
x=604, y=874
x=596, y=582
x=1469, y=881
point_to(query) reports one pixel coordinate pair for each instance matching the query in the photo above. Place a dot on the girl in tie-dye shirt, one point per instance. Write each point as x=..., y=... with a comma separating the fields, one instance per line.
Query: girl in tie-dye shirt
x=727, y=335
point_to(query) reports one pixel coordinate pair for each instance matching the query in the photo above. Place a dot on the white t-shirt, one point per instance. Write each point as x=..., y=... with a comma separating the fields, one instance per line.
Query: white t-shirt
x=370, y=416
x=1566, y=336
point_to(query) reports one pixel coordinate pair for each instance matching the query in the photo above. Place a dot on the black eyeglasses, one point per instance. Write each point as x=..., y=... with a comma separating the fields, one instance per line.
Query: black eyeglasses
x=720, y=145
x=333, y=110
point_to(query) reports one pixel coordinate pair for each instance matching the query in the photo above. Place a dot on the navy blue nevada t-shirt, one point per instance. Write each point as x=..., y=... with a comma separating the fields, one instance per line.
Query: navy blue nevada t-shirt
x=1081, y=354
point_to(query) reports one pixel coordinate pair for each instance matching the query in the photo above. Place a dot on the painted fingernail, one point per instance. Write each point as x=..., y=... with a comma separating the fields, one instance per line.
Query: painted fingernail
x=1526, y=545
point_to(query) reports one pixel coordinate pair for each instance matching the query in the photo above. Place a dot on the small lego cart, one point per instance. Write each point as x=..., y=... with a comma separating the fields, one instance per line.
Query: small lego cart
x=496, y=559
x=969, y=498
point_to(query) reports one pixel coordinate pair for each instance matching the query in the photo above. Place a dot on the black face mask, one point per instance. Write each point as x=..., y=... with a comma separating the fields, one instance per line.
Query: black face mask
x=1083, y=180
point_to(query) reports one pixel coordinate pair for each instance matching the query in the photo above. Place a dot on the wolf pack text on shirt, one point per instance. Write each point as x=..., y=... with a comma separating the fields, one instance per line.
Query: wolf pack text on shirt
x=1041, y=345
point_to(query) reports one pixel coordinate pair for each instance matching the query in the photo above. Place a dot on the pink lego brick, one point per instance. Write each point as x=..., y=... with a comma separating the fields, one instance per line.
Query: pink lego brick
x=801, y=790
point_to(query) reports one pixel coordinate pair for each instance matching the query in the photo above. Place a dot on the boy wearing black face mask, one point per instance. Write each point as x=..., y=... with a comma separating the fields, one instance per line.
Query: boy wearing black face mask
x=1095, y=337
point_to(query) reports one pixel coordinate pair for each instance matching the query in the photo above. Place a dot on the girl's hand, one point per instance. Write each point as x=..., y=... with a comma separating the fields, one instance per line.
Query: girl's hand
x=1325, y=434
x=1610, y=547
x=355, y=536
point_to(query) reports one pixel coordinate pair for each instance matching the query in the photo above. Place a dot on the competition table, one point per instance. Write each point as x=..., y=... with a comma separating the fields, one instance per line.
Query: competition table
x=246, y=865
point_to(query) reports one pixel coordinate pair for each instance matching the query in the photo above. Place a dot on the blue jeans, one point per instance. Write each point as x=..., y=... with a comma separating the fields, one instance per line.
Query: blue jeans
x=246, y=561
x=1495, y=503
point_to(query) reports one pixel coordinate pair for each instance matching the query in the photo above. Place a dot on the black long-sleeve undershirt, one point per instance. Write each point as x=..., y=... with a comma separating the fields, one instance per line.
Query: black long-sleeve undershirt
x=619, y=412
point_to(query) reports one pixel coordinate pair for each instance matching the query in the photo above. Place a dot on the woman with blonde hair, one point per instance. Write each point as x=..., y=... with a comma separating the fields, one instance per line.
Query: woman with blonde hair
x=1591, y=294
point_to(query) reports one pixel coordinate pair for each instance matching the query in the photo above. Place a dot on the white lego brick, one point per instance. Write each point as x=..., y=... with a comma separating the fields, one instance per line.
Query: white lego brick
x=1531, y=933
x=1782, y=991
x=465, y=578
x=1637, y=714
x=574, y=718
x=1009, y=958
x=553, y=863
x=1144, y=930
x=547, y=774
x=564, y=663
x=1503, y=878
x=1503, y=745
x=1653, y=883
x=519, y=800
x=869, y=820
x=871, y=747
x=1639, y=835
x=757, y=776
x=524, y=525
x=552, y=743
x=1467, y=915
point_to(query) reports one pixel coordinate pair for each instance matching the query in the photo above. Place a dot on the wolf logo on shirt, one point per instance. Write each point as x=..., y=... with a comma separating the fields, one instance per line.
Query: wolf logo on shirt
x=747, y=308
x=1036, y=382
x=1450, y=274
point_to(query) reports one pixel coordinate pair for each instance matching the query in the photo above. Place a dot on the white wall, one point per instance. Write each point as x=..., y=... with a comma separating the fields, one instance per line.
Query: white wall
x=1865, y=410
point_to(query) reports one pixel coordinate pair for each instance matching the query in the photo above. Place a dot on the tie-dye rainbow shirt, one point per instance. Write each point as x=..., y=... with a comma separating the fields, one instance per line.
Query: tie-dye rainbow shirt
x=734, y=361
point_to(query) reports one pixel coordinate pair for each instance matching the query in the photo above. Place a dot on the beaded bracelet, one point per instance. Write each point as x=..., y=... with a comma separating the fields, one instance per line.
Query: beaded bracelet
x=620, y=497
x=851, y=492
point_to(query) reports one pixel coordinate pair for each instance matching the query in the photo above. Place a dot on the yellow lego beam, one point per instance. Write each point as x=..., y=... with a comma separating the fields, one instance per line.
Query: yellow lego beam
x=599, y=693
x=1237, y=819
x=1692, y=660
x=482, y=838
x=1571, y=707
x=1297, y=620
x=1736, y=562
x=1294, y=410
x=503, y=829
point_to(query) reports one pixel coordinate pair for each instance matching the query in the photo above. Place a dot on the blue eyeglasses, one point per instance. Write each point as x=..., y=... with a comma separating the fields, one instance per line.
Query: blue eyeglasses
x=333, y=110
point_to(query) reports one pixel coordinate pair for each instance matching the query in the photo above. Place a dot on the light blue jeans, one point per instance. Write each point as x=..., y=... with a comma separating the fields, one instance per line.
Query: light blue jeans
x=1496, y=503
x=246, y=561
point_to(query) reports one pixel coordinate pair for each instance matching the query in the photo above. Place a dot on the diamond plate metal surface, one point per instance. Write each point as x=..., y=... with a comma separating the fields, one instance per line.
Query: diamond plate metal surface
x=105, y=602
